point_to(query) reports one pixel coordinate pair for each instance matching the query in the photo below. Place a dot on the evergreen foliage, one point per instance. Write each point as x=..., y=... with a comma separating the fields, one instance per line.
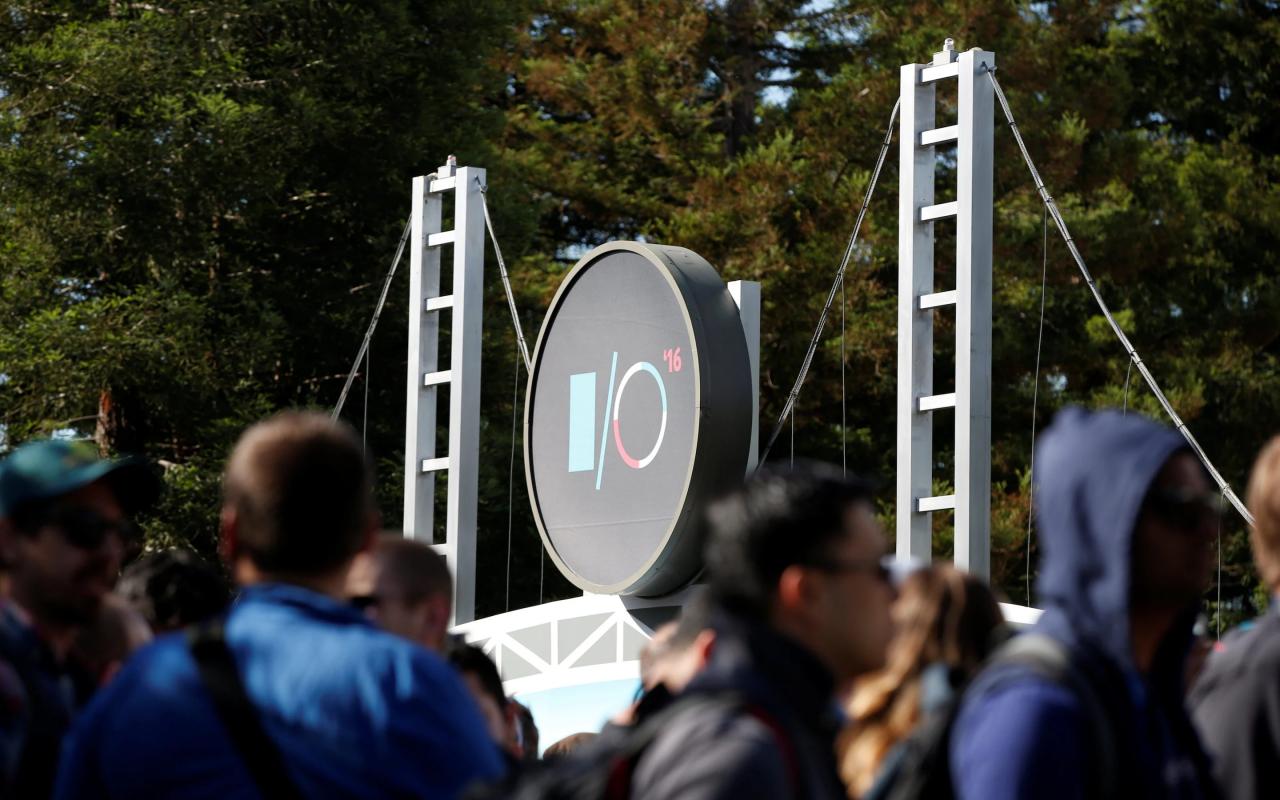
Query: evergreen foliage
x=198, y=201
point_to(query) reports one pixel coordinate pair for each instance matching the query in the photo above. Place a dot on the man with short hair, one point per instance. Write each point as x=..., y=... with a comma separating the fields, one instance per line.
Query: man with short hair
x=404, y=586
x=801, y=608
x=63, y=531
x=316, y=702
x=680, y=649
x=1127, y=525
x=1236, y=702
x=174, y=588
x=482, y=679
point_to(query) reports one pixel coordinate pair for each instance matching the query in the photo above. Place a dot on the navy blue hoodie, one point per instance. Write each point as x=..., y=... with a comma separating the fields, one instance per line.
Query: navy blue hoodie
x=1028, y=737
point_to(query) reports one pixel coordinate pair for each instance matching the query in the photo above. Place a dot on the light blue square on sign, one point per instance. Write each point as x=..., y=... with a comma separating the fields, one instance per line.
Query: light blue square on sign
x=582, y=422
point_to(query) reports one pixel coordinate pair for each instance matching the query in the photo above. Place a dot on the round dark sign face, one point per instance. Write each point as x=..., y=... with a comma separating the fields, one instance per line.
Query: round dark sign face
x=638, y=411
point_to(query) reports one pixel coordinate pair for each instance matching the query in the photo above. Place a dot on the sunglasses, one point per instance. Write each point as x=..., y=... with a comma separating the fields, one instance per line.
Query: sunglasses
x=879, y=567
x=364, y=602
x=87, y=529
x=1186, y=510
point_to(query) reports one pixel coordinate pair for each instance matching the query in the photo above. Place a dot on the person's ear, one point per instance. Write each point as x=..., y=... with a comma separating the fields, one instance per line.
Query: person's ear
x=371, y=535
x=435, y=619
x=228, y=536
x=703, y=644
x=8, y=543
x=795, y=588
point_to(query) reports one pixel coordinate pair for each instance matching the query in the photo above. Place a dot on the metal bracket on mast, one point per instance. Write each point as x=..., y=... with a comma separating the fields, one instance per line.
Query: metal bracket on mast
x=971, y=209
x=462, y=376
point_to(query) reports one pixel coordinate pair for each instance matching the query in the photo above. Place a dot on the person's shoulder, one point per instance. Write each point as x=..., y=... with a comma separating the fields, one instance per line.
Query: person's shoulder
x=1254, y=645
x=1020, y=738
x=709, y=748
x=162, y=672
x=1239, y=659
x=393, y=655
x=1024, y=712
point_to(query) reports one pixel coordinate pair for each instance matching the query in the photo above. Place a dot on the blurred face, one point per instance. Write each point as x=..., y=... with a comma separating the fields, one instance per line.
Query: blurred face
x=852, y=599
x=423, y=621
x=65, y=566
x=676, y=667
x=1175, y=538
x=500, y=719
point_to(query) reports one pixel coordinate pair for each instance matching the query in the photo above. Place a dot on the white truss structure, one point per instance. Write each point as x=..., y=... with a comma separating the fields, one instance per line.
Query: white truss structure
x=588, y=639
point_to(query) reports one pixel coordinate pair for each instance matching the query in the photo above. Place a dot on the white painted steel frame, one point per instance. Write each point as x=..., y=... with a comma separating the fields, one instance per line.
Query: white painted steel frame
x=917, y=302
x=747, y=295
x=426, y=304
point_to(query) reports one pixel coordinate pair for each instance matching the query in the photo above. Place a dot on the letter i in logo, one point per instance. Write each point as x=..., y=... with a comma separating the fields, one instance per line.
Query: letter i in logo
x=582, y=422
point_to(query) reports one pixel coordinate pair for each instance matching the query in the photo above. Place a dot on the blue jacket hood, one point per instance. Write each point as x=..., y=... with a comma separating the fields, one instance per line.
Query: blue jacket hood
x=1093, y=471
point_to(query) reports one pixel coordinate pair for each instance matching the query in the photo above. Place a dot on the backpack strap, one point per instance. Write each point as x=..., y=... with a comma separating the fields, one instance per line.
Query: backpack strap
x=785, y=746
x=1049, y=659
x=221, y=678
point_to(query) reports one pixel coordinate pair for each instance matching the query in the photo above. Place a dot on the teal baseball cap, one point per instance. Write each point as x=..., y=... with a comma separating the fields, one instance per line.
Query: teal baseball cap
x=47, y=469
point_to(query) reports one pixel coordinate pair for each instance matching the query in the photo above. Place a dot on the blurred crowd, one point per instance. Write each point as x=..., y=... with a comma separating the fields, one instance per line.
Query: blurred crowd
x=316, y=660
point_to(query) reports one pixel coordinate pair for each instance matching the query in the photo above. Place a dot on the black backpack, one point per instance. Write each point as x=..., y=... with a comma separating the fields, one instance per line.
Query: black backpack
x=924, y=770
x=603, y=769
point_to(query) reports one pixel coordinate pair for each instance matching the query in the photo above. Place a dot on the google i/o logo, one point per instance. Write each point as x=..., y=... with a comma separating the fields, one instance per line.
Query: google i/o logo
x=582, y=415
x=638, y=412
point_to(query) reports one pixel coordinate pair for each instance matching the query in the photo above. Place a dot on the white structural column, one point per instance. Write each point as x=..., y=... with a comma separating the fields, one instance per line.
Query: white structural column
x=465, y=305
x=970, y=301
x=974, y=165
x=915, y=324
x=424, y=335
x=747, y=295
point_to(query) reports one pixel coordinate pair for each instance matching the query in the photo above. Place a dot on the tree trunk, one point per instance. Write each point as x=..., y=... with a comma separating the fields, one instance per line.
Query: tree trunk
x=120, y=424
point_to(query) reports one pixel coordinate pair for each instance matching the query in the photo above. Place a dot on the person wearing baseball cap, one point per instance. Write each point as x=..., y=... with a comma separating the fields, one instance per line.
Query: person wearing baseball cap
x=64, y=528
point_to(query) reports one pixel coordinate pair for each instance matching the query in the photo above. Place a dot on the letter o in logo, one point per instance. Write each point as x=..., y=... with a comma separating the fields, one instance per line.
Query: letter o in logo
x=644, y=366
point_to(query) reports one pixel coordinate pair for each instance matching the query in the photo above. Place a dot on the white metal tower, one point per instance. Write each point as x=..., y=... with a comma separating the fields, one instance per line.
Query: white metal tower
x=462, y=377
x=970, y=301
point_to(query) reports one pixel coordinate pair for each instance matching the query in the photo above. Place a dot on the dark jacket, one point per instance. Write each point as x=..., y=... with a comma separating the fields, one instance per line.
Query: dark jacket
x=1021, y=735
x=783, y=748
x=1236, y=706
x=39, y=696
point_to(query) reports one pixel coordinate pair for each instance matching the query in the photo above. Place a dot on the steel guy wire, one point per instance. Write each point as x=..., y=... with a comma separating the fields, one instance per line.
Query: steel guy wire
x=789, y=406
x=511, y=469
x=1106, y=312
x=1127, y=371
x=506, y=280
x=1218, y=609
x=364, y=425
x=373, y=323
x=793, y=440
x=844, y=409
x=1035, y=396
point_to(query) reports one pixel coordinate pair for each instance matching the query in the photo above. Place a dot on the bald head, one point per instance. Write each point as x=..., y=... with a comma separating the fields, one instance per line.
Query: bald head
x=298, y=493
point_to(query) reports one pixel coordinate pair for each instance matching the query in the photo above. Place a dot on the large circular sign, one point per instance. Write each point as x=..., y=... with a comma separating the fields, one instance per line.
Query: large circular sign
x=638, y=413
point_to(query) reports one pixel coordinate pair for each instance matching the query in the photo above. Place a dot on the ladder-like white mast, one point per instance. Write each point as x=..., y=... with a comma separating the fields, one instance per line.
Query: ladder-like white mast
x=461, y=464
x=970, y=301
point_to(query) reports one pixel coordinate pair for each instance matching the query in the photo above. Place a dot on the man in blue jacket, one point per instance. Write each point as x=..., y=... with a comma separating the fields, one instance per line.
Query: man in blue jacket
x=351, y=710
x=1127, y=523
